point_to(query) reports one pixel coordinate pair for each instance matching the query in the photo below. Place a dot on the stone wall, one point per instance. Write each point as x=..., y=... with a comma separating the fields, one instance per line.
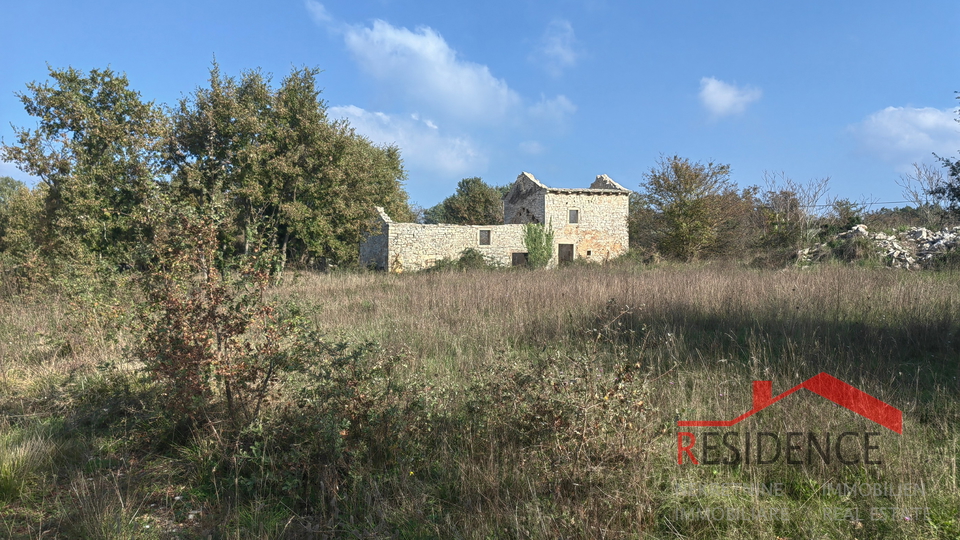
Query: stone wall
x=601, y=233
x=914, y=249
x=415, y=247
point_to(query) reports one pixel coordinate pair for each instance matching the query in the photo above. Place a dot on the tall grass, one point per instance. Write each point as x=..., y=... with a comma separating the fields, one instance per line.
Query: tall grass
x=704, y=333
x=504, y=404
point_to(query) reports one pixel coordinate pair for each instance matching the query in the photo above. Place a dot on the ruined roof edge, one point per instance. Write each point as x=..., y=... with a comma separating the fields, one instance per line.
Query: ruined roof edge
x=603, y=185
x=590, y=191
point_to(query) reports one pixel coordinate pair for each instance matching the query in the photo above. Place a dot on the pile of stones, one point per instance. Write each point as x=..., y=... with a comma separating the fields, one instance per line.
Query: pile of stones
x=913, y=249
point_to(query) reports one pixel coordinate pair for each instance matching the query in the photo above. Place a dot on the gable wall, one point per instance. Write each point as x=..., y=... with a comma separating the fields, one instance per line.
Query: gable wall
x=602, y=229
x=524, y=203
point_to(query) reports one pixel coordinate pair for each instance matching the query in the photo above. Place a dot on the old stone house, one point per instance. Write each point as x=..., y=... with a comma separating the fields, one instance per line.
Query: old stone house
x=587, y=223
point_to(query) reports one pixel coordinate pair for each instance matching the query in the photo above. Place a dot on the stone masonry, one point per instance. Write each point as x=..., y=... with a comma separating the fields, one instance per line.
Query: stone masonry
x=587, y=223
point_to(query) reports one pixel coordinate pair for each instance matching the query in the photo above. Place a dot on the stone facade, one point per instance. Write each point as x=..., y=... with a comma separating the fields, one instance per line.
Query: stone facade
x=587, y=223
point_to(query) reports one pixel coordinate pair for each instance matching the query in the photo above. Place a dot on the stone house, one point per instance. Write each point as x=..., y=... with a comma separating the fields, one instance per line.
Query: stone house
x=587, y=223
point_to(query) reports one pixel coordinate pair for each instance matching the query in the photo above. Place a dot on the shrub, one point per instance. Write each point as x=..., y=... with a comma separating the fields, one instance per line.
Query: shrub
x=539, y=243
x=860, y=248
x=470, y=259
x=206, y=330
x=693, y=202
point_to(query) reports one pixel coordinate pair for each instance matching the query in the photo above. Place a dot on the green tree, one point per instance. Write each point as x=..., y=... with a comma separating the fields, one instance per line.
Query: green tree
x=692, y=203
x=21, y=212
x=949, y=190
x=8, y=189
x=474, y=203
x=96, y=151
x=282, y=168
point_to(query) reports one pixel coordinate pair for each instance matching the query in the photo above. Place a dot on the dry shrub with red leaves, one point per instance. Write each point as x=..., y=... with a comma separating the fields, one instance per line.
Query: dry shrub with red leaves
x=206, y=329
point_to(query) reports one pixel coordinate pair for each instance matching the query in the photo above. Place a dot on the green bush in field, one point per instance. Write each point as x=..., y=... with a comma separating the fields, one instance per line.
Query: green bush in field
x=470, y=259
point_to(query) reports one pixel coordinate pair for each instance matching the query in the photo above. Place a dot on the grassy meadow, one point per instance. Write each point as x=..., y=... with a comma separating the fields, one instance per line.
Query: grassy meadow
x=495, y=404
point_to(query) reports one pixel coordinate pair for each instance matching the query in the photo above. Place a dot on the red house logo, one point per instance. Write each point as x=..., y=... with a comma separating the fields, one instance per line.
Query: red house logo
x=826, y=386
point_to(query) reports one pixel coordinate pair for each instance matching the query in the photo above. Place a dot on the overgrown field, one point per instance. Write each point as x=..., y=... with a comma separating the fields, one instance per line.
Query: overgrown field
x=498, y=404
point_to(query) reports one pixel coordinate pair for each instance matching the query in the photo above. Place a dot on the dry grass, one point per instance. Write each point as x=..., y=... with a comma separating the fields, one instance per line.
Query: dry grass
x=704, y=332
x=453, y=322
x=506, y=418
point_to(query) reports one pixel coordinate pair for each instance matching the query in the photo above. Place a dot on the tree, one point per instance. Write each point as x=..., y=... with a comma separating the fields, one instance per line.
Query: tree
x=692, y=202
x=20, y=217
x=8, y=189
x=949, y=190
x=96, y=150
x=786, y=210
x=922, y=187
x=288, y=174
x=474, y=203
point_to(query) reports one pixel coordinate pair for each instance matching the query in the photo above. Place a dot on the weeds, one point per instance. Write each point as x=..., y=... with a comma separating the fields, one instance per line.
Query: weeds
x=496, y=405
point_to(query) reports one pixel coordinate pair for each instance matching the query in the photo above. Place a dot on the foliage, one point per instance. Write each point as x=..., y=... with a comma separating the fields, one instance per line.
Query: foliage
x=692, y=202
x=538, y=239
x=641, y=224
x=281, y=167
x=900, y=218
x=846, y=213
x=9, y=187
x=469, y=259
x=206, y=330
x=474, y=203
x=786, y=212
x=949, y=190
x=96, y=150
x=346, y=409
x=857, y=248
x=21, y=218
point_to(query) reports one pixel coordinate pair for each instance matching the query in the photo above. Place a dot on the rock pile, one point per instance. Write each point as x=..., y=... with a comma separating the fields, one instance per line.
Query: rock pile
x=912, y=249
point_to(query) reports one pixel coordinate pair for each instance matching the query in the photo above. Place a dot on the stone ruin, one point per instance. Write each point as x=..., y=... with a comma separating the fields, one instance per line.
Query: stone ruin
x=913, y=249
x=588, y=223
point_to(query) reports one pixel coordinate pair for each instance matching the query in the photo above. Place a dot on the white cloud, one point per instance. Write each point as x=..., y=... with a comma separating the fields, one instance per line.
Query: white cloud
x=903, y=135
x=532, y=147
x=319, y=13
x=558, y=48
x=553, y=110
x=724, y=99
x=427, y=72
x=421, y=142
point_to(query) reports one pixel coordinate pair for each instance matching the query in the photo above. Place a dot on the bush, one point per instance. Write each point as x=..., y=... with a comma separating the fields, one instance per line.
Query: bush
x=859, y=248
x=206, y=330
x=694, y=205
x=949, y=261
x=539, y=243
x=470, y=259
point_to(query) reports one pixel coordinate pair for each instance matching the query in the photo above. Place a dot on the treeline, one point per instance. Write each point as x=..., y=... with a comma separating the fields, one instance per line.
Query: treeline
x=688, y=210
x=264, y=165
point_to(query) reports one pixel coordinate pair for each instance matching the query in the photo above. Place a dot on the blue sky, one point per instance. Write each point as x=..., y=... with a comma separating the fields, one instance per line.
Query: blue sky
x=854, y=91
